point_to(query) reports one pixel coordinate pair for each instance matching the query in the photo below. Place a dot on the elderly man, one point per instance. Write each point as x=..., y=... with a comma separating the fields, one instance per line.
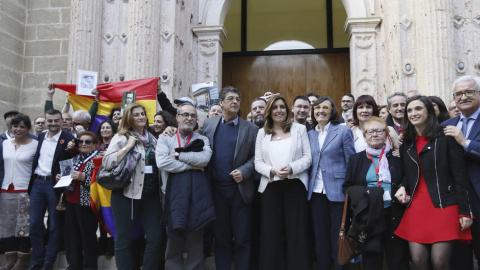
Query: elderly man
x=215, y=110
x=39, y=125
x=396, y=107
x=257, y=110
x=465, y=128
x=413, y=93
x=347, y=104
x=196, y=212
x=81, y=121
x=453, y=111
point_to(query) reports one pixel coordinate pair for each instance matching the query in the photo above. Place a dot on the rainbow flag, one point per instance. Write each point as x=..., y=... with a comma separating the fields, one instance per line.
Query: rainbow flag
x=110, y=96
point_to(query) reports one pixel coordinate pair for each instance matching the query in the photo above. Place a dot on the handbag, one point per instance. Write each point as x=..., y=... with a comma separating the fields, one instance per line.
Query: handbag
x=119, y=177
x=346, y=250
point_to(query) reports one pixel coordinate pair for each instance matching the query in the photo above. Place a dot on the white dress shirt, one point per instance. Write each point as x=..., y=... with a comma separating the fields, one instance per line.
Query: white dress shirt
x=318, y=186
x=47, y=152
x=18, y=164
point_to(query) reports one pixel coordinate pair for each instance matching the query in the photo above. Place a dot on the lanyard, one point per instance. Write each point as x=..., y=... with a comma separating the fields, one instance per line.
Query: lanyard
x=377, y=168
x=178, y=139
x=149, y=149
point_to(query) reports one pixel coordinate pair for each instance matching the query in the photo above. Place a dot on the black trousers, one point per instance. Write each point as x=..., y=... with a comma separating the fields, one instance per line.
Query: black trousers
x=80, y=237
x=284, y=209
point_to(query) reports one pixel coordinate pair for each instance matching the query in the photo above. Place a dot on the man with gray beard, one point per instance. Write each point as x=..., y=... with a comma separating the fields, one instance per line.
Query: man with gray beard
x=258, y=111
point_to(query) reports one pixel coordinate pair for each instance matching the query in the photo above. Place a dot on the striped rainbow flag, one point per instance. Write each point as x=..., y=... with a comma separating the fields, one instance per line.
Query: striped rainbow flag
x=110, y=96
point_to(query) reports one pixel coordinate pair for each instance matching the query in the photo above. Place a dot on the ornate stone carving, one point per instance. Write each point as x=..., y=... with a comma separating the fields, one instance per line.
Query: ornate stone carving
x=476, y=20
x=458, y=21
x=207, y=48
x=364, y=41
x=166, y=34
x=108, y=38
x=365, y=86
x=406, y=22
x=408, y=68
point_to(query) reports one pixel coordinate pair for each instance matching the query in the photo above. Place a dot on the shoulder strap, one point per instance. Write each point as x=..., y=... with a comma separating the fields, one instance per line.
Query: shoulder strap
x=342, y=227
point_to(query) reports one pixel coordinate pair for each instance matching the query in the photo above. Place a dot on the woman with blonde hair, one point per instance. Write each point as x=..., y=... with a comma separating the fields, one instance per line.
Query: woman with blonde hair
x=142, y=197
x=282, y=157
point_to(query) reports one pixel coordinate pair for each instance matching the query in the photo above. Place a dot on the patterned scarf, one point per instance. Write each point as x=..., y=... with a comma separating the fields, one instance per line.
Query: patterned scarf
x=147, y=140
x=384, y=171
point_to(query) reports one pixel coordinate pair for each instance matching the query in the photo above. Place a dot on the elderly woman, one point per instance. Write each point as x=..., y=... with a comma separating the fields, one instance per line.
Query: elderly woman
x=331, y=145
x=376, y=167
x=142, y=197
x=80, y=220
x=282, y=157
x=364, y=108
x=18, y=155
x=435, y=188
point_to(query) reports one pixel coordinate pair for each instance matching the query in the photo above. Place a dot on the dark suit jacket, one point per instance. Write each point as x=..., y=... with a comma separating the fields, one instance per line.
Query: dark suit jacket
x=61, y=153
x=472, y=153
x=244, y=152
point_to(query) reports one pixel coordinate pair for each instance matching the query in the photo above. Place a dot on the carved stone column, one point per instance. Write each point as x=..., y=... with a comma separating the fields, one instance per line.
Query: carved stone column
x=210, y=48
x=363, y=55
x=143, y=38
x=434, y=47
x=84, y=47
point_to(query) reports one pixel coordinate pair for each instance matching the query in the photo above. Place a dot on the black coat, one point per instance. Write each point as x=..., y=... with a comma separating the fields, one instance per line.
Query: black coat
x=444, y=169
x=357, y=169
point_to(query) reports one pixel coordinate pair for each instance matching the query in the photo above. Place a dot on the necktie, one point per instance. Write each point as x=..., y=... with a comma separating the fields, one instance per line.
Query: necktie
x=465, y=121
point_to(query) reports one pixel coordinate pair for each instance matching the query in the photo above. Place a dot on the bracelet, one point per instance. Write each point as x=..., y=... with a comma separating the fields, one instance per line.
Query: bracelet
x=124, y=149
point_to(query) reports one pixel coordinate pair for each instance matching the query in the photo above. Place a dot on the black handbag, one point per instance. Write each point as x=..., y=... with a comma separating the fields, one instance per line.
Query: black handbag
x=119, y=177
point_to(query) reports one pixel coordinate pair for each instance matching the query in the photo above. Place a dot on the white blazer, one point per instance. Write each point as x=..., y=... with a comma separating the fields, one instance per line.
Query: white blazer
x=300, y=160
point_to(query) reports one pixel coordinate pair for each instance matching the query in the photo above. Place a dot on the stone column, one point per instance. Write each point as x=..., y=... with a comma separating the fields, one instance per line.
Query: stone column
x=210, y=48
x=143, y=39
x=84, y=49
x=434, y=47
x=363, y=55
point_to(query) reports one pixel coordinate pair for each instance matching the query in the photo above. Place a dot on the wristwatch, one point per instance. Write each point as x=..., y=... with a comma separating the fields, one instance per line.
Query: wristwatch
x=177, y=155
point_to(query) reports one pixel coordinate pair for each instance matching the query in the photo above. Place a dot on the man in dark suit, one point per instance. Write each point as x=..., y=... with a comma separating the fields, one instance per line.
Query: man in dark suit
x=465, y=128
x=231, y=171
x=51, y=149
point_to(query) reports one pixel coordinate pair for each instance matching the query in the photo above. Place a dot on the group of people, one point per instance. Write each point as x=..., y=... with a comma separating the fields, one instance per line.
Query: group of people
x=274, y=187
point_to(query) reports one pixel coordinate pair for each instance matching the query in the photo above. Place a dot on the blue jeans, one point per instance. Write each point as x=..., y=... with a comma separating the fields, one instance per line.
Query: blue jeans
x=149, y=209
x=42, y=196
x=232, y=228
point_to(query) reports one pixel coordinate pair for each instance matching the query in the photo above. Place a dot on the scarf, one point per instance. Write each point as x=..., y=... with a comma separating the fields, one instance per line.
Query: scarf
x=383, y=169
x=148, y=140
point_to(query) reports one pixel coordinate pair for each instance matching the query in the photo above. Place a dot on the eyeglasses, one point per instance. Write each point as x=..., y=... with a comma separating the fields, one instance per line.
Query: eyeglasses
x=87, y=142
x=323, y=107
x=467, y=93
x=300, y=107
x=452, y=108
x=375, y=131
x=186, y=115
x=231, y=98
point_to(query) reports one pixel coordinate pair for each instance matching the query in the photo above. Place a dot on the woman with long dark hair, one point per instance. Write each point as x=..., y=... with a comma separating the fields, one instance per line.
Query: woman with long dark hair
x=435, y=188
x=441, y=111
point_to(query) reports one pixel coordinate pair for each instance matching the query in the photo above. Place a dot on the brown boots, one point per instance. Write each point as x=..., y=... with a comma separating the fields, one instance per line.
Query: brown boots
x=11, y=260
x=23, y=260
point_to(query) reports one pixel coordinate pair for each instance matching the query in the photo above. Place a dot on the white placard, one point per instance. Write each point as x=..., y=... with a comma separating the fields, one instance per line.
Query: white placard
x=86, y=82
x=64, y=181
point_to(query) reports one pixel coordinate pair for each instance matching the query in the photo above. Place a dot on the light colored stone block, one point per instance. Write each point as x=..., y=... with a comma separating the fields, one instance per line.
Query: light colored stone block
x=35, y=80
x=34, y=4
x=10, y=97
x=13, y=10
x=31, y=32
x=42, y=48
x=10, y=77
x=32, y=112
x=11, y=44
x=12, y=26
x=11, y=60
x=64, y=47
x=55, y=31
x=43, y=16
x=66, y=15
x=28, y=64
x=31, y=98
x=54, y=63
x=60, y=3
x=58, y=77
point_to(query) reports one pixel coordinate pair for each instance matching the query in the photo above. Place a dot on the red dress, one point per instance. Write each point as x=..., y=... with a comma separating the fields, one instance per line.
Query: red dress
x=423, y=223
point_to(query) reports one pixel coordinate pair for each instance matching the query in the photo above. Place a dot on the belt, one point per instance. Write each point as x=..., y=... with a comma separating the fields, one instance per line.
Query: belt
x=44, y=178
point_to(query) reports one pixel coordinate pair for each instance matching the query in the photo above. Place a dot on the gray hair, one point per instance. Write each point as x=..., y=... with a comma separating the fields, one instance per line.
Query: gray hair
x=467, y=79
x=400, y=94
x=82, y=114
x=348, y=113
x=179, y=107
x=415, y=91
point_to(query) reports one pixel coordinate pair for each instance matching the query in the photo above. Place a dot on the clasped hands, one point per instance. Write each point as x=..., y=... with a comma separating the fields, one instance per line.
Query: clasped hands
x=282, y=172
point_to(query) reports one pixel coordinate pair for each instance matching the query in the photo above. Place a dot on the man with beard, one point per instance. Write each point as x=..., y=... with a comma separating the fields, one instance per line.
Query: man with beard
x=301, y=110
x=347, y=104
x=396, y=107
x=258, y=111
x=172, y=163
x=51, y=150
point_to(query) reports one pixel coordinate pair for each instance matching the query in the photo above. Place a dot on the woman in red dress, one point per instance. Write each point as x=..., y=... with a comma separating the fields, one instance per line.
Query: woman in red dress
x=435, y=188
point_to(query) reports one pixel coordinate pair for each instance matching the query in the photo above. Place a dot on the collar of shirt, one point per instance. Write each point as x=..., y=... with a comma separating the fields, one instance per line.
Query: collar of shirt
x=396, y=123
x=235, y=121
x=54, y=137
x=324, y=130
x=474, y=115
x=9, y=136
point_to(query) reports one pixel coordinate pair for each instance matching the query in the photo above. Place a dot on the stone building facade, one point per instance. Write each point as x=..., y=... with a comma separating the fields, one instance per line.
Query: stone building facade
x=394, y=45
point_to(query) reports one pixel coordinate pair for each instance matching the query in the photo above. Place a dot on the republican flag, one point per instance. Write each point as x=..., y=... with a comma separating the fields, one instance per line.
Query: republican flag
x=110, y=96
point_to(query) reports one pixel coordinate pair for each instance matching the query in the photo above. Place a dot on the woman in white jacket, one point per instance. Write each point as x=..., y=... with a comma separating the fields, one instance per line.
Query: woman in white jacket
x=282, y=157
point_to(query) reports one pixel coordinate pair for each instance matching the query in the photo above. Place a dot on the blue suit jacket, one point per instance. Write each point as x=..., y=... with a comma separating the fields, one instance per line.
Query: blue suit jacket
x=332, y=159
x=472, y=152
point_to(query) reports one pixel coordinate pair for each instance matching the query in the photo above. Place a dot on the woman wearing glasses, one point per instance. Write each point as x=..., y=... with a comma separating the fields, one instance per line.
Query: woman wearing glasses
x=331, y=146
x=141, y=199
x=435, y=188
x=364, y=108
x=375, y=171
x=80, y=220
x=282, y=157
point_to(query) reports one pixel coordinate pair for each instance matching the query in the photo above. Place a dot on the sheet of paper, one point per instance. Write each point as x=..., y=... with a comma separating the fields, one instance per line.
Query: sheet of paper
x=386, y=196
x=64, y=181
